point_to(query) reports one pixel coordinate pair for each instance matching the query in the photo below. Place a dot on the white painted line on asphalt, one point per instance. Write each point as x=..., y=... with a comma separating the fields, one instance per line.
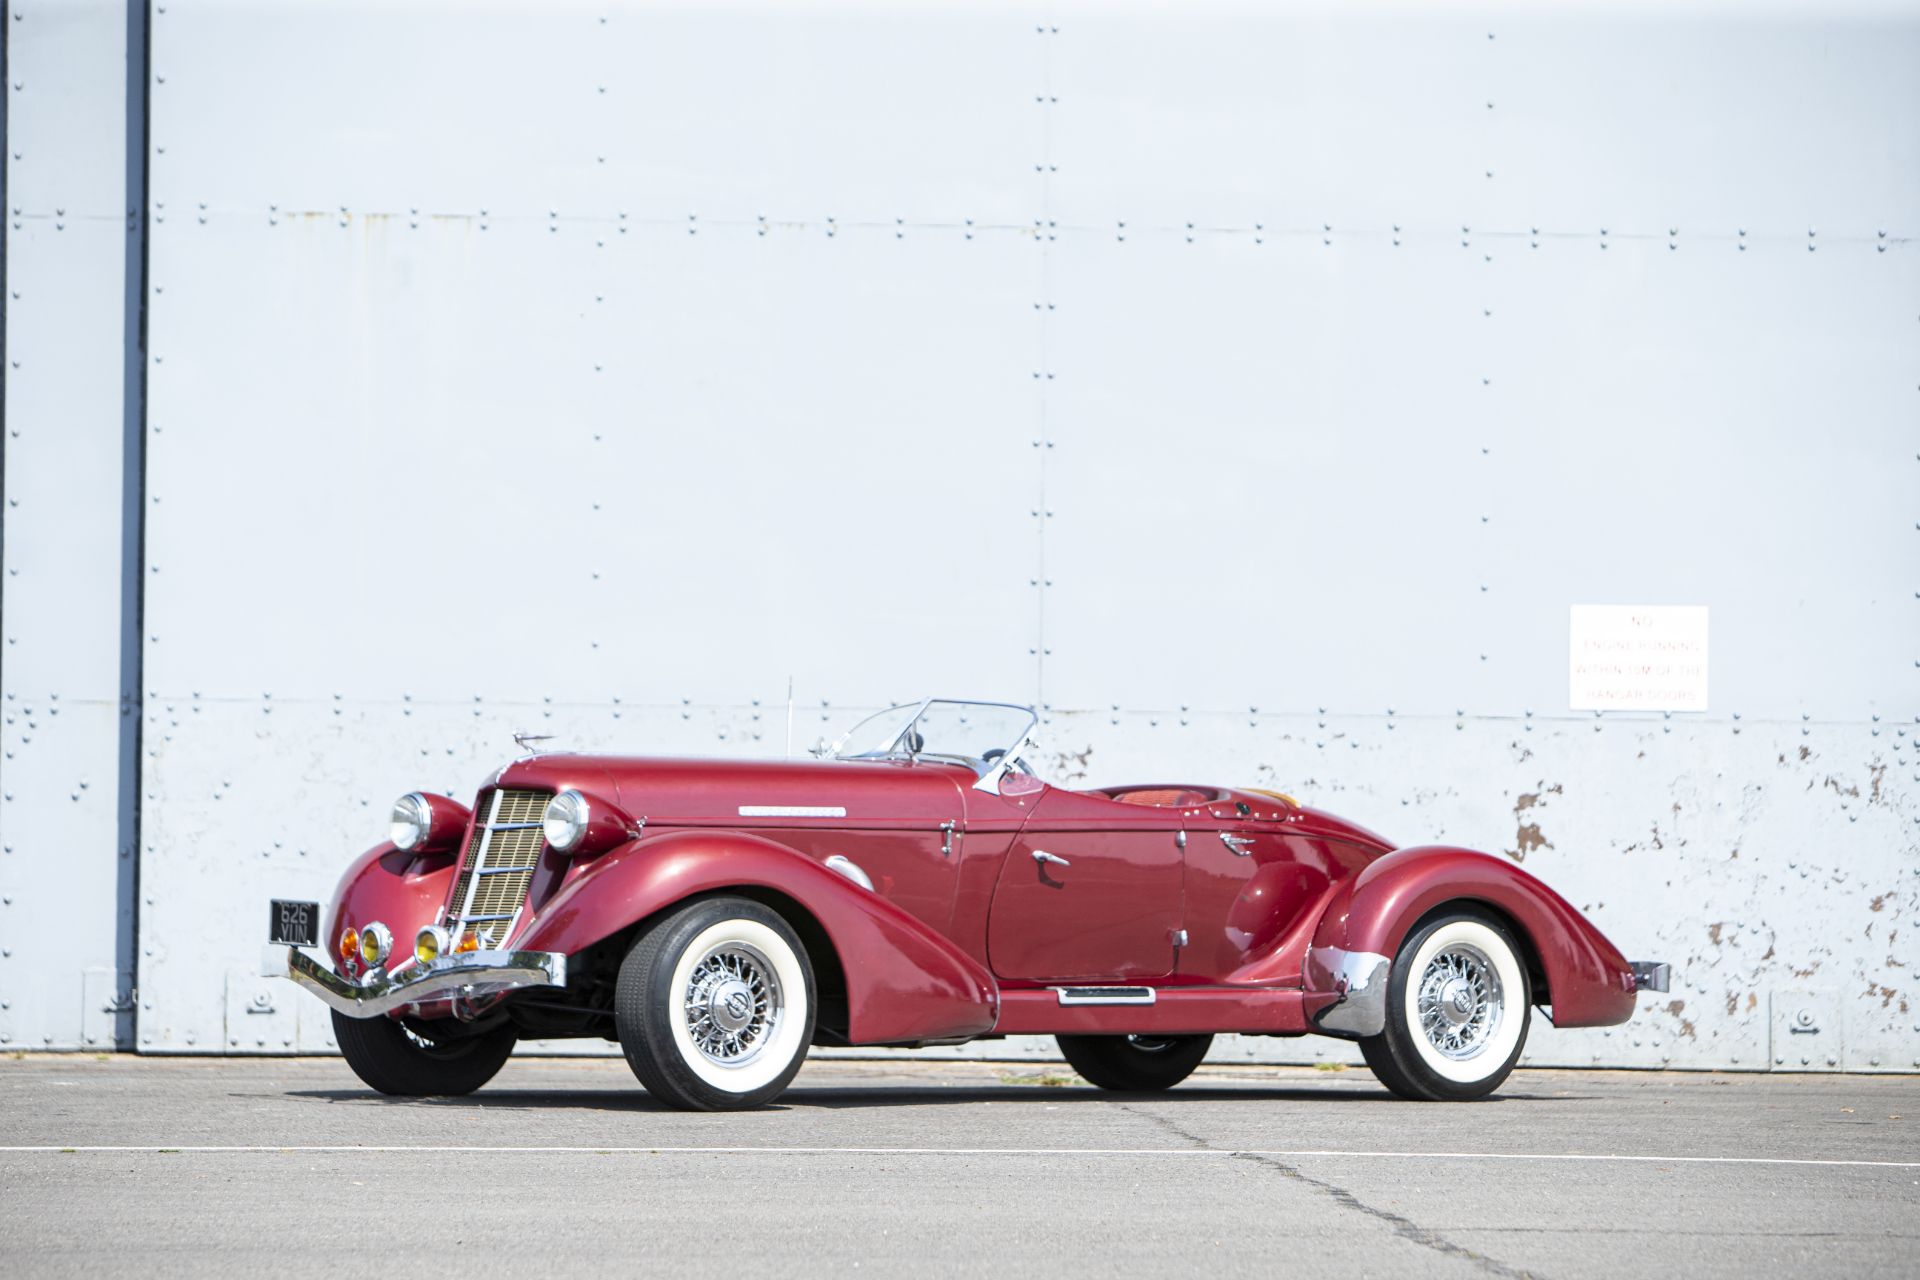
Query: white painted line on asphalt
x=1277, y=1154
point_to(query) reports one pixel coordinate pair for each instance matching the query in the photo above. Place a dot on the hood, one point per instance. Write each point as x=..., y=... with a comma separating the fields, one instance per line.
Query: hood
x=680, y=792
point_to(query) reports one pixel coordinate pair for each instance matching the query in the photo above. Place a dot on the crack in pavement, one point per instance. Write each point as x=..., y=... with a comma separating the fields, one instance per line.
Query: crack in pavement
x=1405, y=1228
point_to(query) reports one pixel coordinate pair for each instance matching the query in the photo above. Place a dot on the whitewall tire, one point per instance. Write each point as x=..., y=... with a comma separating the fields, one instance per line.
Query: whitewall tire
x=1458, y=1006
x=715, y=1005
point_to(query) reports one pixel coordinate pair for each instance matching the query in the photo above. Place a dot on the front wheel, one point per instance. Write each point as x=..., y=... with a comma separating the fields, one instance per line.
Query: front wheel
x=715, y=1005
x=1457, y=1008
x=1135, y=1064
x=421, y=1059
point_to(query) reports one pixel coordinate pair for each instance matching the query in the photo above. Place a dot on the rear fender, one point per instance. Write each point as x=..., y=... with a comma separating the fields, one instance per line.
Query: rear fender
x=905, y=982
x=1588, y=982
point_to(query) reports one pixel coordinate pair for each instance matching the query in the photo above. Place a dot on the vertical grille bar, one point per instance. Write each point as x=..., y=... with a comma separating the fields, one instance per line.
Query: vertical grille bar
x=456, y=901
x=501, y=855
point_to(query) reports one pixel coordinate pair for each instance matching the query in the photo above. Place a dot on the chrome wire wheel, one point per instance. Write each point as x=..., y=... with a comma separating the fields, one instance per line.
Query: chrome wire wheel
x=715, y=1003
x=732, y=1003
x=1457, y=1006
x=1460, y=1001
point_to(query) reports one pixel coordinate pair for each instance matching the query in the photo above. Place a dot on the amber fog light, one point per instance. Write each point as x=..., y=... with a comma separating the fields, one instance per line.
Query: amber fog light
x=376, y=943
x=349, y=943
x=469, y=941
x=430, y=945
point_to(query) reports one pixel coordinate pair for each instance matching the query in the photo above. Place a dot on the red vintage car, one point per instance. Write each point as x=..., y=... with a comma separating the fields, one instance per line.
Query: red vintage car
x=920, y=885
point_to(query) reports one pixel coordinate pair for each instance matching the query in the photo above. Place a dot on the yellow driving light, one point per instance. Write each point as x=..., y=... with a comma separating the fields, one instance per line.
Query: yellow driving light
x=376, y=943
x=430, y=944
x=349, y=942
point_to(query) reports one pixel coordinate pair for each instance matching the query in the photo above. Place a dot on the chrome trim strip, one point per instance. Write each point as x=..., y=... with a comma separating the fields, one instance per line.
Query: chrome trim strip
x=1360, y=980
x=512, y=826
x=1106, y=995
x=501, y=871
x=485, y=919
x=792, y=811
x=467, y=976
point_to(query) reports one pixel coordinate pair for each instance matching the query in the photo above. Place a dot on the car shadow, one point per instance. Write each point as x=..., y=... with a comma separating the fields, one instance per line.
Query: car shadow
x=847, y=1097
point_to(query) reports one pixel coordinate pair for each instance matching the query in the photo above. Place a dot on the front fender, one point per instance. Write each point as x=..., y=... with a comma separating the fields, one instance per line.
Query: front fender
x=1588, y=982
x=401, y=890
x=904, y=981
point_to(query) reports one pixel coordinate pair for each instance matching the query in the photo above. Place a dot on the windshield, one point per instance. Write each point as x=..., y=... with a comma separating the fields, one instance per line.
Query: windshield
x=972, y=731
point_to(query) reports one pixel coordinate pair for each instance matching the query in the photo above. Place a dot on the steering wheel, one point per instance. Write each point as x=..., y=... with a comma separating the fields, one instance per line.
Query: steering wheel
x=992, y=755
x=915, y=741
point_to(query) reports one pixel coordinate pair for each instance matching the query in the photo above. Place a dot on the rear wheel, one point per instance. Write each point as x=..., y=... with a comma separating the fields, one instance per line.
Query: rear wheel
x=715, y=1005
x=421, y=1059
x=1135, y=1064
x=1458, y=1003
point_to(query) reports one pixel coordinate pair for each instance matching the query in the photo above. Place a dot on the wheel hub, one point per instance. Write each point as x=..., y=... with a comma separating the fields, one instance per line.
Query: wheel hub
x=1456, y=1001
x=731, y=1005
x=1461, y=1002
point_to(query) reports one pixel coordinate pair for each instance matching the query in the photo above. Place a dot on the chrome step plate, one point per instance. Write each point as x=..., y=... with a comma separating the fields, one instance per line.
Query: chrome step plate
x=1105, y=995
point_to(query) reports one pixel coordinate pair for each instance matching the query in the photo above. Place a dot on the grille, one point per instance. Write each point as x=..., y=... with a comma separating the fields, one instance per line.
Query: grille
x=501, y=855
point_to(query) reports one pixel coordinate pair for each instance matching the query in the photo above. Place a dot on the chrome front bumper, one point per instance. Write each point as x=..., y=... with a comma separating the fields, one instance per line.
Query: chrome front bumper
x=469, y=976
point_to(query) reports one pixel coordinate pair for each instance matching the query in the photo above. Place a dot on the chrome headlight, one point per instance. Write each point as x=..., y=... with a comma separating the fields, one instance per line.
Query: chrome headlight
x=412, y=821
x=565, y=820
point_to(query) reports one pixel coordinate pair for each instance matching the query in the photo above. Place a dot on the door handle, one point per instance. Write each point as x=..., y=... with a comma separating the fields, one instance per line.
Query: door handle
x=1043, y=857
x=1241, y=845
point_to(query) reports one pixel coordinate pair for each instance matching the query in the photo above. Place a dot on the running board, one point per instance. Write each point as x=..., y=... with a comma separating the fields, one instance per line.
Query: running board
x=1160, y=1011
x=1105, y=995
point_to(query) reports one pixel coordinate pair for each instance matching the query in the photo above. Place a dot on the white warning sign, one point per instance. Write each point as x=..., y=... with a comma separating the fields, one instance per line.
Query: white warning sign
x=1638, y=658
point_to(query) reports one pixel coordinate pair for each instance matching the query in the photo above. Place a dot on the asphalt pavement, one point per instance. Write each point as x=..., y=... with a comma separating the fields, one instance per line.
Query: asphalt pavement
x=265, y=1167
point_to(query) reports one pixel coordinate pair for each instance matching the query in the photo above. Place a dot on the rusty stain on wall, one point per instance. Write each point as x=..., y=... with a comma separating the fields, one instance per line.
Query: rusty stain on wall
x=1070, y=766
x=1528, y=838
x=1675, y=1008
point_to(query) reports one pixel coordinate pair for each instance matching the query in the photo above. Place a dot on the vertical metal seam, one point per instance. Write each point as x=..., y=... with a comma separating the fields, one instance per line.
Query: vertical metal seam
x=1045, y=372
x=133, y=512
x=6, y=241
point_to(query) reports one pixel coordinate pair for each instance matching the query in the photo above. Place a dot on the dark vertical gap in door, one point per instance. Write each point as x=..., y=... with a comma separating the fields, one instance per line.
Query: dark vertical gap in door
x=133, y=527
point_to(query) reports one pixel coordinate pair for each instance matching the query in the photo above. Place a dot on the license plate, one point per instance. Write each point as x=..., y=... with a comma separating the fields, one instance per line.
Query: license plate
x=294, y=924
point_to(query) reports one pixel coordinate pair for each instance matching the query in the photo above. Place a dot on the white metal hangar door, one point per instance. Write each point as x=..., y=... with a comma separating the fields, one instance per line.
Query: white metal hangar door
x=1256, y=390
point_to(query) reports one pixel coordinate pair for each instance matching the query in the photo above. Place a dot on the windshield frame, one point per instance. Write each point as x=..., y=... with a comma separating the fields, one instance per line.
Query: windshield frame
x=895, y=751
